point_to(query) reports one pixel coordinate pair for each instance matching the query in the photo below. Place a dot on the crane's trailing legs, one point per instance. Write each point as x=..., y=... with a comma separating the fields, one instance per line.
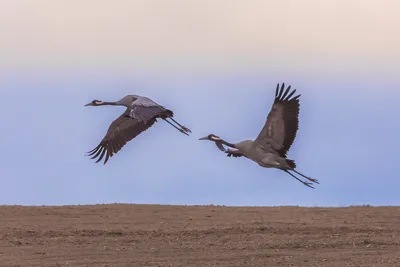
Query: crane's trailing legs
x=236, y=153
x=301, y=181
x=309, y=178
x=183, y=129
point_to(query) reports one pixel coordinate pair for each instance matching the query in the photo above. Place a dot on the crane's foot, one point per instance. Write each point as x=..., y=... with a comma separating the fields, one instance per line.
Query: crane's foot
x=308, y=184
x=183, y=131
x=186, y=129
x=313, y=180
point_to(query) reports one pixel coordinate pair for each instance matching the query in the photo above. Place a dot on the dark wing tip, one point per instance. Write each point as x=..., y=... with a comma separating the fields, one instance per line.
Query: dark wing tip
x=286, y=92
x=281, y=91
x=296, y=97
x=99, y=152
x=282, y=95
x=91, y=152
x=107, y=156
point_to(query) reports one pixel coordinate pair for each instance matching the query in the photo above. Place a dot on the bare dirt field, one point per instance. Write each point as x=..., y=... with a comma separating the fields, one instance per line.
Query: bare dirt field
x=151, y=235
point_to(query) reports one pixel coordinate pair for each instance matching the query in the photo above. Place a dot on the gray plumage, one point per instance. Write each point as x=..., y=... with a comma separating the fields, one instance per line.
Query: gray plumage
x=140, y=114
x=270, y=147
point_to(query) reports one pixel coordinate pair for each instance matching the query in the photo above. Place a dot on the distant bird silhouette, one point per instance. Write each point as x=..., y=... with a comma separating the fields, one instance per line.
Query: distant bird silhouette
x=140, y=114
x=269, y=149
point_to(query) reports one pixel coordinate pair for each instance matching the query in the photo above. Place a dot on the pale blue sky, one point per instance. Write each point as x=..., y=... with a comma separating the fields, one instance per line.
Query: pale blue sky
x=347, y=139
x=217, y=71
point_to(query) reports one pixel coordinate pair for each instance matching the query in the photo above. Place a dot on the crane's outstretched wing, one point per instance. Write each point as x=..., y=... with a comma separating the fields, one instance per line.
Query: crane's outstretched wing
x=144, y=109
x=121, y=131
x=282, y=122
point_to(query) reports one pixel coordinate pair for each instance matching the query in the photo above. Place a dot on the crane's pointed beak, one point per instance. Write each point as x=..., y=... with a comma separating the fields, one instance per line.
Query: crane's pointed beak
x=204, y=138
x=89, y=104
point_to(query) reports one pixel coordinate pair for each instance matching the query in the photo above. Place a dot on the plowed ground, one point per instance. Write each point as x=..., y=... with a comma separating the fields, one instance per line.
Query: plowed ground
x=150, y=235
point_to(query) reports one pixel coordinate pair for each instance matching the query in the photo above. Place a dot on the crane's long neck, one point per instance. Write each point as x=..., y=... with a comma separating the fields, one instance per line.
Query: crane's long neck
x=227, y=143
x=104, y=103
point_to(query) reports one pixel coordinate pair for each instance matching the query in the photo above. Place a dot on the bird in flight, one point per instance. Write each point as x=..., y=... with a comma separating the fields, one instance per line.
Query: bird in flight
x=140, y=114
x=270, y=147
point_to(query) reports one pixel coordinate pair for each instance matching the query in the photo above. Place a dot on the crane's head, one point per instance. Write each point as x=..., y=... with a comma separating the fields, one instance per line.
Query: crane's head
x=216, y=139
x=95, y=103
x=211, y=137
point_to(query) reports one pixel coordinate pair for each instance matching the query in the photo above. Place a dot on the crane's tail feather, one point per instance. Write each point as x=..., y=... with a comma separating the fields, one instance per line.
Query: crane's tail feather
x=291, y=163
x=169, y=113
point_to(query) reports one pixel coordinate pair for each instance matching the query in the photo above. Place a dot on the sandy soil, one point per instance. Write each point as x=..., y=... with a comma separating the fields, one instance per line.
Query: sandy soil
x=151, y=235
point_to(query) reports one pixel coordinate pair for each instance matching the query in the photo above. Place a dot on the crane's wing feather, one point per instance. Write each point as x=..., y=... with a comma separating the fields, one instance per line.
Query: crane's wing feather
x=234, y=153
x=121, y=131
x=144, y=109
x=282, y=122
